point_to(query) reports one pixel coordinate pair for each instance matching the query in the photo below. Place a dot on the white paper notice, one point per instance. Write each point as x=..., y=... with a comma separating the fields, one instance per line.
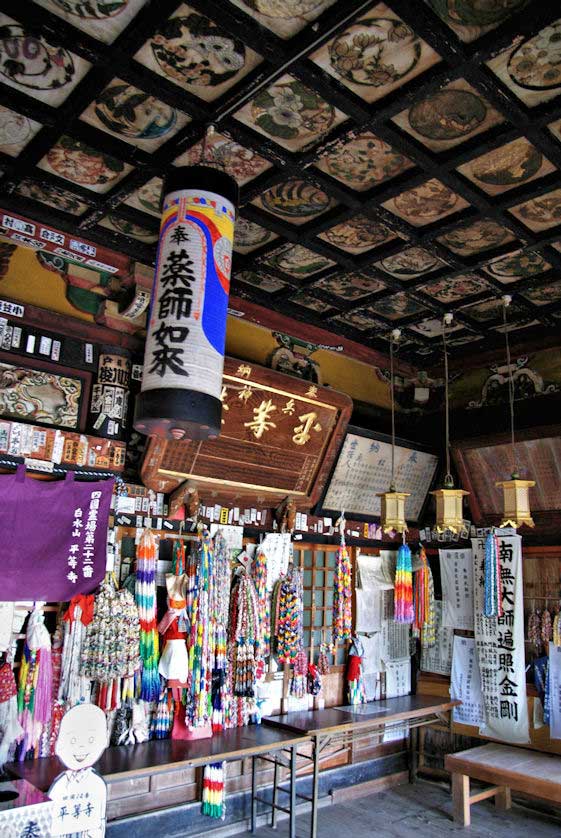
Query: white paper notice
x=554, y=691
x=368, y=618
x=398, y=677
x=456, y=573
x=500, y=645
x=376, y=572
x=438, y=658
x=371, y=665
x=395, y=636
x=278, y=549
x=395, y=732
x=233, y=536
x=466, y=683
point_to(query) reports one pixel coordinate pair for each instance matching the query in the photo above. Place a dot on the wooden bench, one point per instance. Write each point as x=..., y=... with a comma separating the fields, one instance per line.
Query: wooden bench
x=507, y=768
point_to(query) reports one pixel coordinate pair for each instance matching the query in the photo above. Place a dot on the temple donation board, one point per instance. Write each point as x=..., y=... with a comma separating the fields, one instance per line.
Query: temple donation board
x=364, y=468
x=279, y=437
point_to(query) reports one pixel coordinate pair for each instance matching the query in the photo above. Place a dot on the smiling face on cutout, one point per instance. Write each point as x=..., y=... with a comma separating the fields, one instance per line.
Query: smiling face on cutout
x=82, y=737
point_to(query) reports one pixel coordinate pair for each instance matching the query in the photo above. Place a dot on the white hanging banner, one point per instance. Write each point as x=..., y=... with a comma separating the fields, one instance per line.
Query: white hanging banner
x=465, y=683
x=554, y=691
x=456, y=574
x=438, y=658
x=500, y=645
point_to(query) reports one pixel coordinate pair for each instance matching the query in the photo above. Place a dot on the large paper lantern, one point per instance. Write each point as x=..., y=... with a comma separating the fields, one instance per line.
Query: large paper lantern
x=184, y=355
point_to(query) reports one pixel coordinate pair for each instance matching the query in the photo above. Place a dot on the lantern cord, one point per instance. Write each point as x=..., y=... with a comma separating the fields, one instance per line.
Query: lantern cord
x=209, y=131
x=448, y=477
x=392, y=482
x=510, y=391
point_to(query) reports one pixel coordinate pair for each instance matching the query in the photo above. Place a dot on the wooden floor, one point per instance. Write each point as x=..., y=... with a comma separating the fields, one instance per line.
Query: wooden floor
x=421, y=811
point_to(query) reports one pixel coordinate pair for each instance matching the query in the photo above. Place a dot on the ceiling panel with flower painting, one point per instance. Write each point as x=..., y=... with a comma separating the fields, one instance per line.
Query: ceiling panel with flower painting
x=395, y=160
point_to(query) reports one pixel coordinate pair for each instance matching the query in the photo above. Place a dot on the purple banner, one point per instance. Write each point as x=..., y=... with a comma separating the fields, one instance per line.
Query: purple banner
x=54, y=536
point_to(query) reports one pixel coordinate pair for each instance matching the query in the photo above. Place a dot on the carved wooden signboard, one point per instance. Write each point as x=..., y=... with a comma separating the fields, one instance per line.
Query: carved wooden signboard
x=279, y=438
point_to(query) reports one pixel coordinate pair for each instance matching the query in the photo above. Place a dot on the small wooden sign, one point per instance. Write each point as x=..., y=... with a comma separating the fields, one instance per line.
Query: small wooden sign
x=279, y=437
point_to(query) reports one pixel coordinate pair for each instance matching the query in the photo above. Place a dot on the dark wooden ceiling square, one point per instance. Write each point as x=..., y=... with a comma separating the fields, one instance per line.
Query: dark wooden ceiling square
x=396, y=160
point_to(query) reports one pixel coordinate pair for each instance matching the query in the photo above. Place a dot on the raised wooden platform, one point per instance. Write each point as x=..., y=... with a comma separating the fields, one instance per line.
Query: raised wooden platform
x=507, y=768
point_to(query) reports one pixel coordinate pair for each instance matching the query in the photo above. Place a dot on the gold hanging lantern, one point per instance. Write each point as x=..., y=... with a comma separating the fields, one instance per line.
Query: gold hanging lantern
x=392, y=513
x=392, y=503
x=449, y=512
x=516, y=500
x=449, y=500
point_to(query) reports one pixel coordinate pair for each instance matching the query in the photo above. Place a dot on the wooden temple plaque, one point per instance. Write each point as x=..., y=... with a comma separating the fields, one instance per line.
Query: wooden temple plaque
x=279, y=438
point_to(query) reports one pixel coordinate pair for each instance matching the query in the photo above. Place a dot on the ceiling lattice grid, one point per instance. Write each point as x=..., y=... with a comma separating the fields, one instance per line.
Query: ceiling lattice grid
x=396, y=160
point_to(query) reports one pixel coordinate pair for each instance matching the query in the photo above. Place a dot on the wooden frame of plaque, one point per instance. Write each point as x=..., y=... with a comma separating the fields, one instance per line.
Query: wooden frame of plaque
x=353, y=482
x=279, y=438
x=484, y=460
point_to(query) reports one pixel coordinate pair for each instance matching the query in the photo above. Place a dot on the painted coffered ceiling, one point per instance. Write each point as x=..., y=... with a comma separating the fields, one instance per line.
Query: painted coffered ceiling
x=396, y=160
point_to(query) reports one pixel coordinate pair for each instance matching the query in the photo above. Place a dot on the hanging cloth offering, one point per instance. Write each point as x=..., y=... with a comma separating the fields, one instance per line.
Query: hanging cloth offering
x=145, y=597
x=35, y=681
x=245, y=636
x=174, y=662
x=403, y=593
x=214, y=799
x=314, y=683
x=10, y=728
x=75, y=687
x=342, y=594
x=492, y=606
x=357, y=694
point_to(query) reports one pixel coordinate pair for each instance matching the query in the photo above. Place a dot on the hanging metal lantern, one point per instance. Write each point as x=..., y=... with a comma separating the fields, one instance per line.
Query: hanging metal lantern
x=392, y=503
x=449, y=511
x=516, y=502
x=392, y=513
x=449, y=500
x=184, y=355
